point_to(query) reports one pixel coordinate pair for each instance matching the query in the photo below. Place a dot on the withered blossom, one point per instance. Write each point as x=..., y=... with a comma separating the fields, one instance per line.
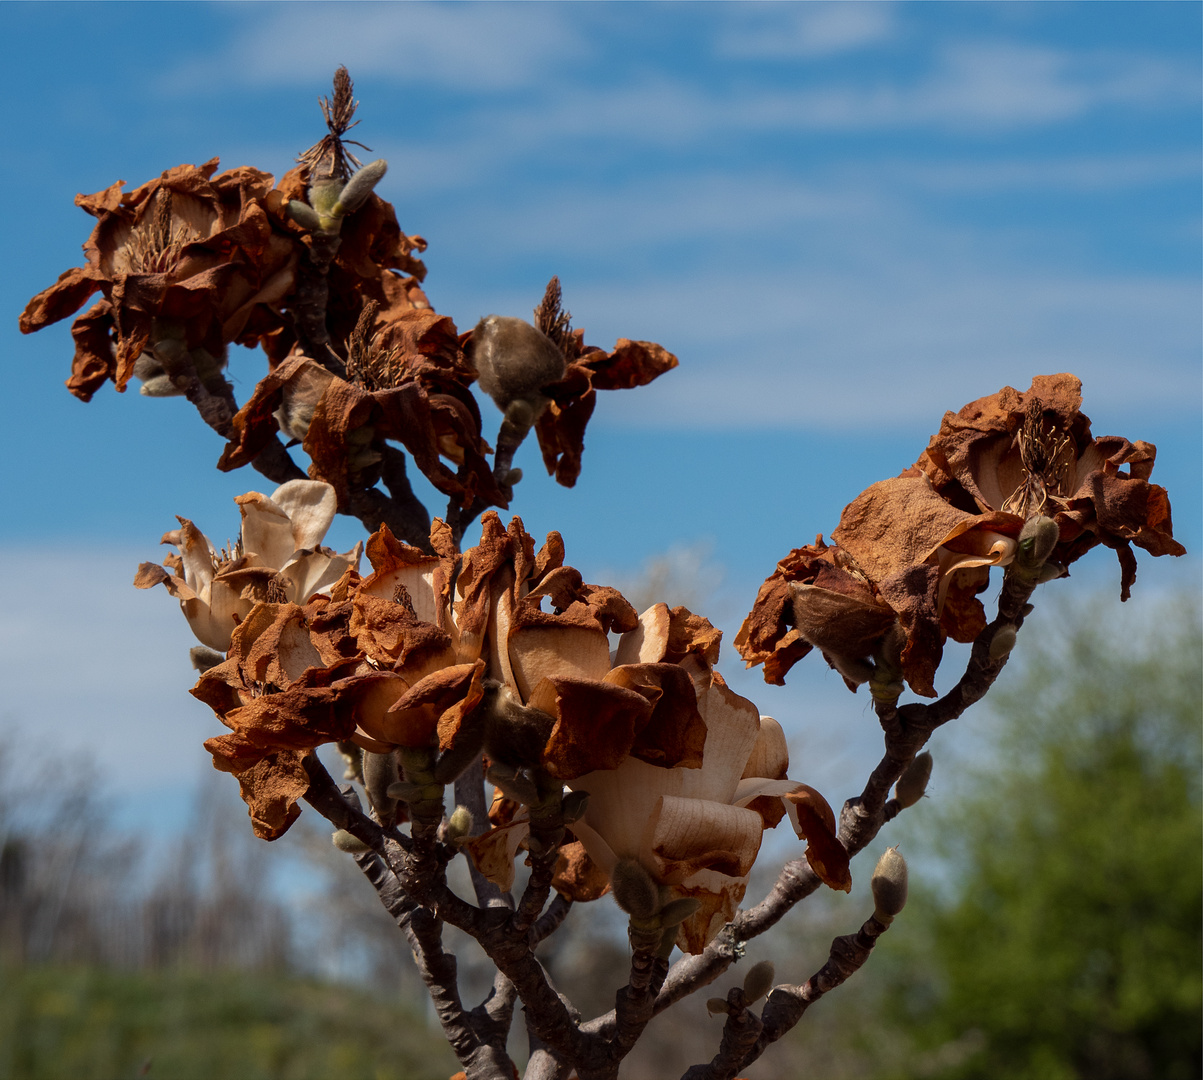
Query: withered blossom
x=1033, y=452
x=278, y=556
x=690, y=794
x=911, y=554
x=406, y=382
x=560, y=426
x=189, y=261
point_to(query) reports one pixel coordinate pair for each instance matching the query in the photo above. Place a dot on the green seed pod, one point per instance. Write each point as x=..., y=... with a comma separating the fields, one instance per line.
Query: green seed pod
x=359, y=187
x=1037, y=539
x=635, y=891
x=759, y=980
x=352, y=845
x=574, y=806
x=714, y=1006
x=889, y=886
x=1003, y=641
x=912, y=784
x=203, y=658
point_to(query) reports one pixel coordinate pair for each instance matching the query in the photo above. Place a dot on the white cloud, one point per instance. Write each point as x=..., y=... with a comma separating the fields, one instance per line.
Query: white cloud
x=804, y=30
x=471, y=47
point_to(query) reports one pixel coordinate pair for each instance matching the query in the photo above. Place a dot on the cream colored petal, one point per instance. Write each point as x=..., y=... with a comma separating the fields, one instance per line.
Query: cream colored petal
x=990, y=549
x=596, y=846
x=208, y=631
x=753, y=787
x=315, y=572
x=686, y=835
x=648, y=642
x=196, y=553
x=732, y=728
x=310, y=506
x=540, y=652
x=266, y=530
x=770, y=755
x=622, y=800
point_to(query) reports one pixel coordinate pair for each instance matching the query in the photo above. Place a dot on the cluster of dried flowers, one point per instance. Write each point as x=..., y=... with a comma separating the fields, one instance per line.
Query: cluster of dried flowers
x=317, y=273
x=911, y=555
x=619, y=760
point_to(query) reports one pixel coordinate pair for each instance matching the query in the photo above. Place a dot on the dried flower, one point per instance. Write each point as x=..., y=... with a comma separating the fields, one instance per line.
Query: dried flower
x=1033, y=453
x=189, y=262
x=278, y=556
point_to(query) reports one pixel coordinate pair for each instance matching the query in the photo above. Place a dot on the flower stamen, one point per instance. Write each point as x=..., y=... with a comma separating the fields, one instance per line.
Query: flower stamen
x=1042, y=453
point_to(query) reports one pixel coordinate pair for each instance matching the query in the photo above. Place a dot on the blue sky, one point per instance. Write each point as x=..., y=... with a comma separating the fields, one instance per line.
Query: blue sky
x=844, y=218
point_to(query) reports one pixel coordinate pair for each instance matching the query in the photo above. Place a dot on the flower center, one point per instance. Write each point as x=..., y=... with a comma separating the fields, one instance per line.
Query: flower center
x=1045, y=454
x=155, y=243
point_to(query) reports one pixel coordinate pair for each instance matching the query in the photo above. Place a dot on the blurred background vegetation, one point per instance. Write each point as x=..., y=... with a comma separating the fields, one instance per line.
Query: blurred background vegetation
x=1053, y=929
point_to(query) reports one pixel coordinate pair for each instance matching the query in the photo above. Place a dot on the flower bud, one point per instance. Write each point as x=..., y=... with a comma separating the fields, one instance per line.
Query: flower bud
x=634, y=889
x=459, y=825
x=1050, y=572
x=889, y=886
x=203, y=658
x=912, y=784
x=759, y=980
x=1037, y=539
x=717, y=1005
x=1003, y=641
x=359, y=187
x=352, y=845
x=304, y=215
x=380, y=772
x=513, y=362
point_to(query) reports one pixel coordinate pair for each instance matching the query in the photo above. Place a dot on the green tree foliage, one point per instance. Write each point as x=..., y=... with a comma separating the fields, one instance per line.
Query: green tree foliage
x=1067, y=942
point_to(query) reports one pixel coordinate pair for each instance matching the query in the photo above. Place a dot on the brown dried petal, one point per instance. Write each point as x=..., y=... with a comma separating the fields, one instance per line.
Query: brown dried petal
x=826, y=855
x=271, y=783
x=577, y=877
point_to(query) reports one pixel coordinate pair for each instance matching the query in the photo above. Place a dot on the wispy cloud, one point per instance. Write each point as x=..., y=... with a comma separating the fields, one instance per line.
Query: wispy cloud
x=468, y=47
x=803, y=30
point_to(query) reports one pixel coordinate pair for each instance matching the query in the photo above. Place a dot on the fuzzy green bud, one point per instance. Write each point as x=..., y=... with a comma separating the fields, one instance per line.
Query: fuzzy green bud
x=359, y=187
x=759, y=980
x=352, y=845
x=635, y=891
x=304, y=215
x=1050, y=572
x=889, y=886
x=912, y=784
x=203, y=658
x=1037, y=539
x=459, y=825
x=1003, y=641
x=717, y=1005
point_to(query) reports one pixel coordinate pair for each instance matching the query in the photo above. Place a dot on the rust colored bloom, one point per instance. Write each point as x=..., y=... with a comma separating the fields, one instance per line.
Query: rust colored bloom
x=912, y=553
x=406, y=382
x=1033, y=452
x=186, y=263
